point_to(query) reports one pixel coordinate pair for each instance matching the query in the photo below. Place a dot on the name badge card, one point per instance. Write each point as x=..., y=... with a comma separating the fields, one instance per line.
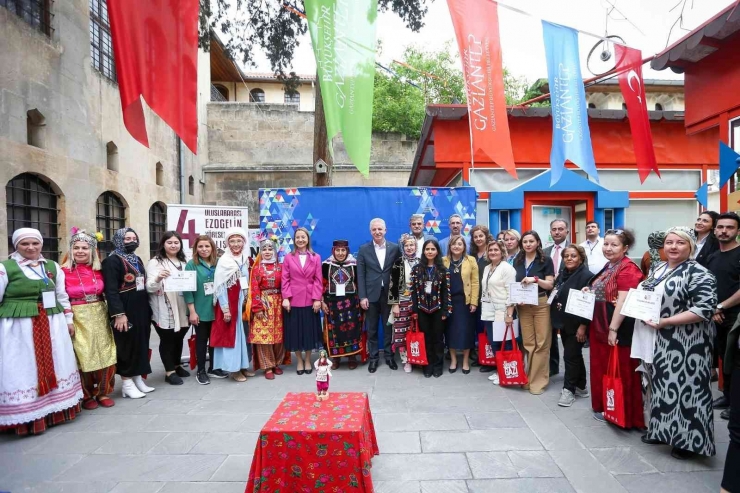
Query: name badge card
x=341, y=289
x=180, y=281
x=140, y=285
x=49, y=299
x=244, y=282
x=208, y=288
x=428, y=287
x=580, y=304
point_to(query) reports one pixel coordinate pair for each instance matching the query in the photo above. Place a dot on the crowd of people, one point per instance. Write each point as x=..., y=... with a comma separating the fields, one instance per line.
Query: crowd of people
x=66, y=330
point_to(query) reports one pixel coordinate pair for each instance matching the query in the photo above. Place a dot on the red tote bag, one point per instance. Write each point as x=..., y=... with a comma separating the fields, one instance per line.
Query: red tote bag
x=416, y=350
x=486, y=355
x=510, y=363
x=613, y=391
x=193, y=354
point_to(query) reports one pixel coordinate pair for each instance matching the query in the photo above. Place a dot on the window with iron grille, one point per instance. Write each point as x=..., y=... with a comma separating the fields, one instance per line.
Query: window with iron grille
x=608, y=219
x=157, y=226
x=36, y=13
x=257, y=96
x=101, y=44
x=110, y=215
x=294, y=97
x=32, y=203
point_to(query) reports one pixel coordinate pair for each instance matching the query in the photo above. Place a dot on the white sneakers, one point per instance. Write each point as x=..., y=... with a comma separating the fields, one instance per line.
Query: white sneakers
x=407, y=367
x=566, y=398
x=128, y=389
x=141, y=385
x=494, y=377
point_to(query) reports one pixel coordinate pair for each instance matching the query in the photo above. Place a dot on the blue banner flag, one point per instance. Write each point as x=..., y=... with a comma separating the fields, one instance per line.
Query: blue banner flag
x=702, y=195
x=729, y=161
x=571, y=138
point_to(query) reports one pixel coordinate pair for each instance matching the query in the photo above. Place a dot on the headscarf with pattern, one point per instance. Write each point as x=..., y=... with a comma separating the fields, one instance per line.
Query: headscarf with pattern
x=120, y=250
x=655, y=243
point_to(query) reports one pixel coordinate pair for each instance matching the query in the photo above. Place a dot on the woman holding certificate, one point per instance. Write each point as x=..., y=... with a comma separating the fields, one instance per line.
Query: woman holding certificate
x=534, y=268
x=610, y=328
x=169, y=310
x=677, y=350
x=495, y=307
x=572, y=328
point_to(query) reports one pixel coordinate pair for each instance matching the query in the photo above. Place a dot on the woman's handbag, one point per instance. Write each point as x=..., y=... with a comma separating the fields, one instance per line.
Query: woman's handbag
x=613, y=391
x=416, y=350
x=510, y=363
x=191, y=346
x=486, y=354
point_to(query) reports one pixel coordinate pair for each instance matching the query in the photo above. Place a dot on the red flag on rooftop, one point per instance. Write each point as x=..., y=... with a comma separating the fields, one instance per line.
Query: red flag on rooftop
x=476, y=28
x=155, y=43
x=629, y=66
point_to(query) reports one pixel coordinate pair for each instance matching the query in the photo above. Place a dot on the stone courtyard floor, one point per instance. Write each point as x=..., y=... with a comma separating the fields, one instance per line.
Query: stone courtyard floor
x=457, y=433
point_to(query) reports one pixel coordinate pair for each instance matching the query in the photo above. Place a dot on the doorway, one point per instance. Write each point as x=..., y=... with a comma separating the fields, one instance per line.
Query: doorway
x=541, y=208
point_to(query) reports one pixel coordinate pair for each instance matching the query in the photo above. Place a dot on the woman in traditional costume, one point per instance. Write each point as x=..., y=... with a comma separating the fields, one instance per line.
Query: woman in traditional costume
x=323, y=375
x=266, y=311
x=124, y=277
x=231, y=282
x=341, y=305
x=39, y=381
x=169, y=310
x=93, y=341
x=399, y=296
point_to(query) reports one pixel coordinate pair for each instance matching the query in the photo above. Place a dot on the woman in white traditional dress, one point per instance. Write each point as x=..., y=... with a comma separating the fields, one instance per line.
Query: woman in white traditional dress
x=39, y=381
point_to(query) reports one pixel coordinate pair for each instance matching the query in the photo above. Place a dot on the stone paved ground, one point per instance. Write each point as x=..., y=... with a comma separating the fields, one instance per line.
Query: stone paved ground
x=457, y=433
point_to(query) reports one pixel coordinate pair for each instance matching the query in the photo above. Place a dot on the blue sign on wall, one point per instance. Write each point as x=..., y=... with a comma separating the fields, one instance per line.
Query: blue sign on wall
x=331, y=213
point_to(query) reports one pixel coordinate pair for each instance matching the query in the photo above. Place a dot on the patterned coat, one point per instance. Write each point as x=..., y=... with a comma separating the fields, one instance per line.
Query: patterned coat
x=681, y=402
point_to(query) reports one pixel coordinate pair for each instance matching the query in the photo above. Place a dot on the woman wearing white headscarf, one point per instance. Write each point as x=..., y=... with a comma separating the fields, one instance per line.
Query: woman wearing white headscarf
x=231, y=282
x=39, y=381
x=678, y=356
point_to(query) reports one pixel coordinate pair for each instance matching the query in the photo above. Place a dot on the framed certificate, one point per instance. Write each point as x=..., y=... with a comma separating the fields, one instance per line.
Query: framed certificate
x=523, y=293
x=180, y=281
x=580, y=304
x=643, y=305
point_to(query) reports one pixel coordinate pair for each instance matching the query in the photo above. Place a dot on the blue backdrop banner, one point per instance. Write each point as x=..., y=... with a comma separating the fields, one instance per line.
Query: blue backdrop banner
x=331, y=213
x=571, y=138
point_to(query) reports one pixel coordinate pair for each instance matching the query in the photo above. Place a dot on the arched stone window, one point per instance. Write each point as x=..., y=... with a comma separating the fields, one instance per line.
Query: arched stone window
x=157, y=225
x=32, y=202
x=110, y=215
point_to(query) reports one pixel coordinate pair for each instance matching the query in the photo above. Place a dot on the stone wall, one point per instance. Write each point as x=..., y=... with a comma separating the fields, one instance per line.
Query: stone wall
x=253, y=146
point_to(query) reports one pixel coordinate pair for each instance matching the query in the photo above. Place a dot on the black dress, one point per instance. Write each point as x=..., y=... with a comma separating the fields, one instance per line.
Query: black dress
x=132, y=346
x=460, y=328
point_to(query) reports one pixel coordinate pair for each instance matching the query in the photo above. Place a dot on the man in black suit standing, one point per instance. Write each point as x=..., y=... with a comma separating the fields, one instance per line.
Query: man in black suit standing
x=560, y=232
x=374, y=262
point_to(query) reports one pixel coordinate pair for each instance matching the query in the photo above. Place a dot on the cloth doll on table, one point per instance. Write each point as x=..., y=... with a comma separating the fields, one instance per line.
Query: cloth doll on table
x=323, y=373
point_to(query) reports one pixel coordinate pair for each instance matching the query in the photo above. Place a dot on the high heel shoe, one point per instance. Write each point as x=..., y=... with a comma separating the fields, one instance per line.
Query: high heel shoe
x=465, y=372
x=141, y=385
x=128, y=389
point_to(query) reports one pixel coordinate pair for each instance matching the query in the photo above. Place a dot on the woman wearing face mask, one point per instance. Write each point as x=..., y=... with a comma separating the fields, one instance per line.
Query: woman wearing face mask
x=677, y=350
x=169, y=310
x=399, y=296
x=511, y=240
x=534, y=267
x=465, y=292
x=93, y=340
x=706, y=242
x=610, y=328
x=341, y=305
x=265, y=310
x=230, y=284
x=200, y=305
x=39, y=382
x=302, y=292
x=572, y=329
x=128, y=306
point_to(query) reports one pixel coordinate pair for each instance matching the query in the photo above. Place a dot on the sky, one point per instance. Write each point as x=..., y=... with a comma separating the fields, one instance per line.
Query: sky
x=521, y=36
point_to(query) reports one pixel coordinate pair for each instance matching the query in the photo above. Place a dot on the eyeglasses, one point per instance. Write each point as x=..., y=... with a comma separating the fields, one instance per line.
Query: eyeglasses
x=615, y=232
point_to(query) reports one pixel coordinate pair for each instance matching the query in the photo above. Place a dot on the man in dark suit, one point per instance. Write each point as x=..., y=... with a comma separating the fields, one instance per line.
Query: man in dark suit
x=560, y=232
x=374, y=262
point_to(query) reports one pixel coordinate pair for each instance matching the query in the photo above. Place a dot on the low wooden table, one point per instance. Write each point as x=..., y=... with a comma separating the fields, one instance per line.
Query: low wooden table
x=314, y=447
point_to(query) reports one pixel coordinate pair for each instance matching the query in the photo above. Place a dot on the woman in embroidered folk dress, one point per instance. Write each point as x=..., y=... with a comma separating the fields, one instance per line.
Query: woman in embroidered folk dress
x=200, y=305
x=677, y=350
x=341, y=305
x=39, y=381
x=431, y=303
x=497, y=276
x=169, y=310
x=610, y=328
x=124, y=277
x=93, y=340
x=323, y=375
x=399, y=296
x=302, y=292
x=465, y=292
x=231, y=282
x=265, y=308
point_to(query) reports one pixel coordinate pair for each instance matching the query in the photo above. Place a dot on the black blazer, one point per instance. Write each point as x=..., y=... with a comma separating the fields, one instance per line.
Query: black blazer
x=565, y=321
x=371, y=276
x=710, y=246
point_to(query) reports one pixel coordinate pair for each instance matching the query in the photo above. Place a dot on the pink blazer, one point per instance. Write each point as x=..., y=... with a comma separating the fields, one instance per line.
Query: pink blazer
x=302, y=285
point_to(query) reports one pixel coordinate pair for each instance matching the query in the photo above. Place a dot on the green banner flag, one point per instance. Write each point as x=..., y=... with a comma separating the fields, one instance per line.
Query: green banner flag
x=343, y=38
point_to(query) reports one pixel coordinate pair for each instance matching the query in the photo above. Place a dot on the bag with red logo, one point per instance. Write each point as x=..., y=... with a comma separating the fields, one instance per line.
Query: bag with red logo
x=364, y=355
x=416, y=350
x=510, y=364
x=193, y=353
x=613, y=391
x=486, y=355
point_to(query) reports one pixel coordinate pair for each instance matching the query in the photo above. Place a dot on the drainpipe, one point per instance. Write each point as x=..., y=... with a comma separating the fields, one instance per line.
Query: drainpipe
x=181, y=164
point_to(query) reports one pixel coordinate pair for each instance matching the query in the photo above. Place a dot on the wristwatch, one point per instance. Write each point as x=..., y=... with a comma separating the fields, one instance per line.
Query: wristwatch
x=536, y=279
x=720, y=307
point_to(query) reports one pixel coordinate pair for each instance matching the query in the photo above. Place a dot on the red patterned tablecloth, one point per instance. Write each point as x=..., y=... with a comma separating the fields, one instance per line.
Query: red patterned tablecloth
x=309, y=446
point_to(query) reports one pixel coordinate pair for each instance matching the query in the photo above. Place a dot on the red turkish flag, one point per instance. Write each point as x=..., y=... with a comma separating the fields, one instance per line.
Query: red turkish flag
x=629, y=66
x=155, y=43
x=476, y=28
